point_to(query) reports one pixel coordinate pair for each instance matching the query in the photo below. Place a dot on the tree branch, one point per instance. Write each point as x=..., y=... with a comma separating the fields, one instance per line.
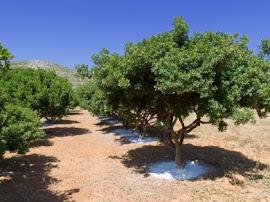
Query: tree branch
x=182, y=122
x=196, y=112
x=205, y=122
x=193, y=125
x=182, y=138
x=165, y=101
x=174, y=122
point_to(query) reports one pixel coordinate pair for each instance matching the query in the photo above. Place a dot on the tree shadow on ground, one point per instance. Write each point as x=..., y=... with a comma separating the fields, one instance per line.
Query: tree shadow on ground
x=224, y=160
x=110, y=128
x=62, y=121
x=41, y=142
x=102, y=123
x=122, y=141
x=57, y=132
x=26, y=178
x=106, y=123
x=65, y=131
x=54, y=122
x=75, y=112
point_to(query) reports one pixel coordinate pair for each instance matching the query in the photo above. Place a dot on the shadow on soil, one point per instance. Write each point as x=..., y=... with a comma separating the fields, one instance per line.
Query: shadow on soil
x=26, y=178
x=65, y=131
x=101, y=123
x=109, y=128
x=224, y=160
x=57, y=132
x=75, y=112
x=41, y=142
x=61, y=122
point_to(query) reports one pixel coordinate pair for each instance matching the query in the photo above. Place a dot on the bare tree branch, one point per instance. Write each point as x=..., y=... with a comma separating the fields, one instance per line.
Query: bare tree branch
x=174, y=122
x=182, y=122
x=205, y=122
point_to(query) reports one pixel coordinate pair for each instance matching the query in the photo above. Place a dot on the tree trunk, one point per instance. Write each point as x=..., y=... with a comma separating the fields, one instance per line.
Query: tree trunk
x=178, y=155
x=178, y=151
x=141, y=128
x=2, y=155
x=126, y=124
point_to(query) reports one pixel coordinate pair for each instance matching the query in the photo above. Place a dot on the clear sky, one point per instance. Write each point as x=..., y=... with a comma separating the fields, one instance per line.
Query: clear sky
x=68, y=32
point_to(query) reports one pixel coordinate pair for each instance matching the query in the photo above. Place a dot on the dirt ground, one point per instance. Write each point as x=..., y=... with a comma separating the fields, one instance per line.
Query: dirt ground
x=82, y=160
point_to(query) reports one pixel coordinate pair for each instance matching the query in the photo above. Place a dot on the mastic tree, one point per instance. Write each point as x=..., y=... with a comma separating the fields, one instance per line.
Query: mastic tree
x=215, y=77
x=85, y=93
x=18, y=125
x=106, y=84
x=211, y=76
x=83, y=70
x=265, y=49
x=49, y=95
x=5, y=58
x=112, y=93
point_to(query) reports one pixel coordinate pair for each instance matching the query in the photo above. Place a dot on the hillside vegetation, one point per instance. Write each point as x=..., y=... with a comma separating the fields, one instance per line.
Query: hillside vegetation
x=60, y=70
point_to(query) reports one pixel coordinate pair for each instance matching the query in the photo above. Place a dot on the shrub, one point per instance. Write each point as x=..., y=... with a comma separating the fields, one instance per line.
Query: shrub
x=84, y=94
x=5, y=57
x=49, y=95
x=18, y=127
x=83, y=70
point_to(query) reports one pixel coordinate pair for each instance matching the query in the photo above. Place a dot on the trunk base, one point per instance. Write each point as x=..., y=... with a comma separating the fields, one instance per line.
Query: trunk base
x=179, y=163
x=178, y=156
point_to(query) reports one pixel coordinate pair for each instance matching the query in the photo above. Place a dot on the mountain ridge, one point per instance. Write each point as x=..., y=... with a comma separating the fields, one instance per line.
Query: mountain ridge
x=60, y=70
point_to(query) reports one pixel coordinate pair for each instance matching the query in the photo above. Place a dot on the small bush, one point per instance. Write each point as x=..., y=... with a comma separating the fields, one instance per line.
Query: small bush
x=84, y=94
x=18, y=127
x=83, y=70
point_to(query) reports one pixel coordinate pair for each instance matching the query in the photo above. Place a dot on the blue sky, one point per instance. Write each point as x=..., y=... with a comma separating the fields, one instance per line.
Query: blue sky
x=68, y=32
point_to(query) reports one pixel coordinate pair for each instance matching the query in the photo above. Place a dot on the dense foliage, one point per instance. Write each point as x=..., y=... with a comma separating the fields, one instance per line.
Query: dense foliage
x=265, y=49
x=162, y=80
x=44, y=92
x=18, y=125
x=5, y=57
x=83, y=70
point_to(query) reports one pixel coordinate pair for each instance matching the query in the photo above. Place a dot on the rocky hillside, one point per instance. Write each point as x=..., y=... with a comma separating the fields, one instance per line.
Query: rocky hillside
x=60, y=70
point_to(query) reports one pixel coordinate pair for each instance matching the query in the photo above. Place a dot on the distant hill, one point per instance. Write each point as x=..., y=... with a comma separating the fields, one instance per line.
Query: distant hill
x=60, y=70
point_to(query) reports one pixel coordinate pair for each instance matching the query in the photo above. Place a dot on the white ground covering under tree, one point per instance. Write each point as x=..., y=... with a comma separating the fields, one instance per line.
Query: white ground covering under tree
x=169, y=170
x=133, y=136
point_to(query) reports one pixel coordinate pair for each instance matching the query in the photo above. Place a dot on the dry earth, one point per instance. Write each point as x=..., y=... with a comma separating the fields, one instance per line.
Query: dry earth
x=81, y=160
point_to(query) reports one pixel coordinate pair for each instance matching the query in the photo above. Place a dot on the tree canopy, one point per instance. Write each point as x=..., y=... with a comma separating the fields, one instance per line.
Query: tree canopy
x=265, y=49
x=162, y=80
x=5, y=57
x=18, y=124
x=83, y=70
x=44, y=92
